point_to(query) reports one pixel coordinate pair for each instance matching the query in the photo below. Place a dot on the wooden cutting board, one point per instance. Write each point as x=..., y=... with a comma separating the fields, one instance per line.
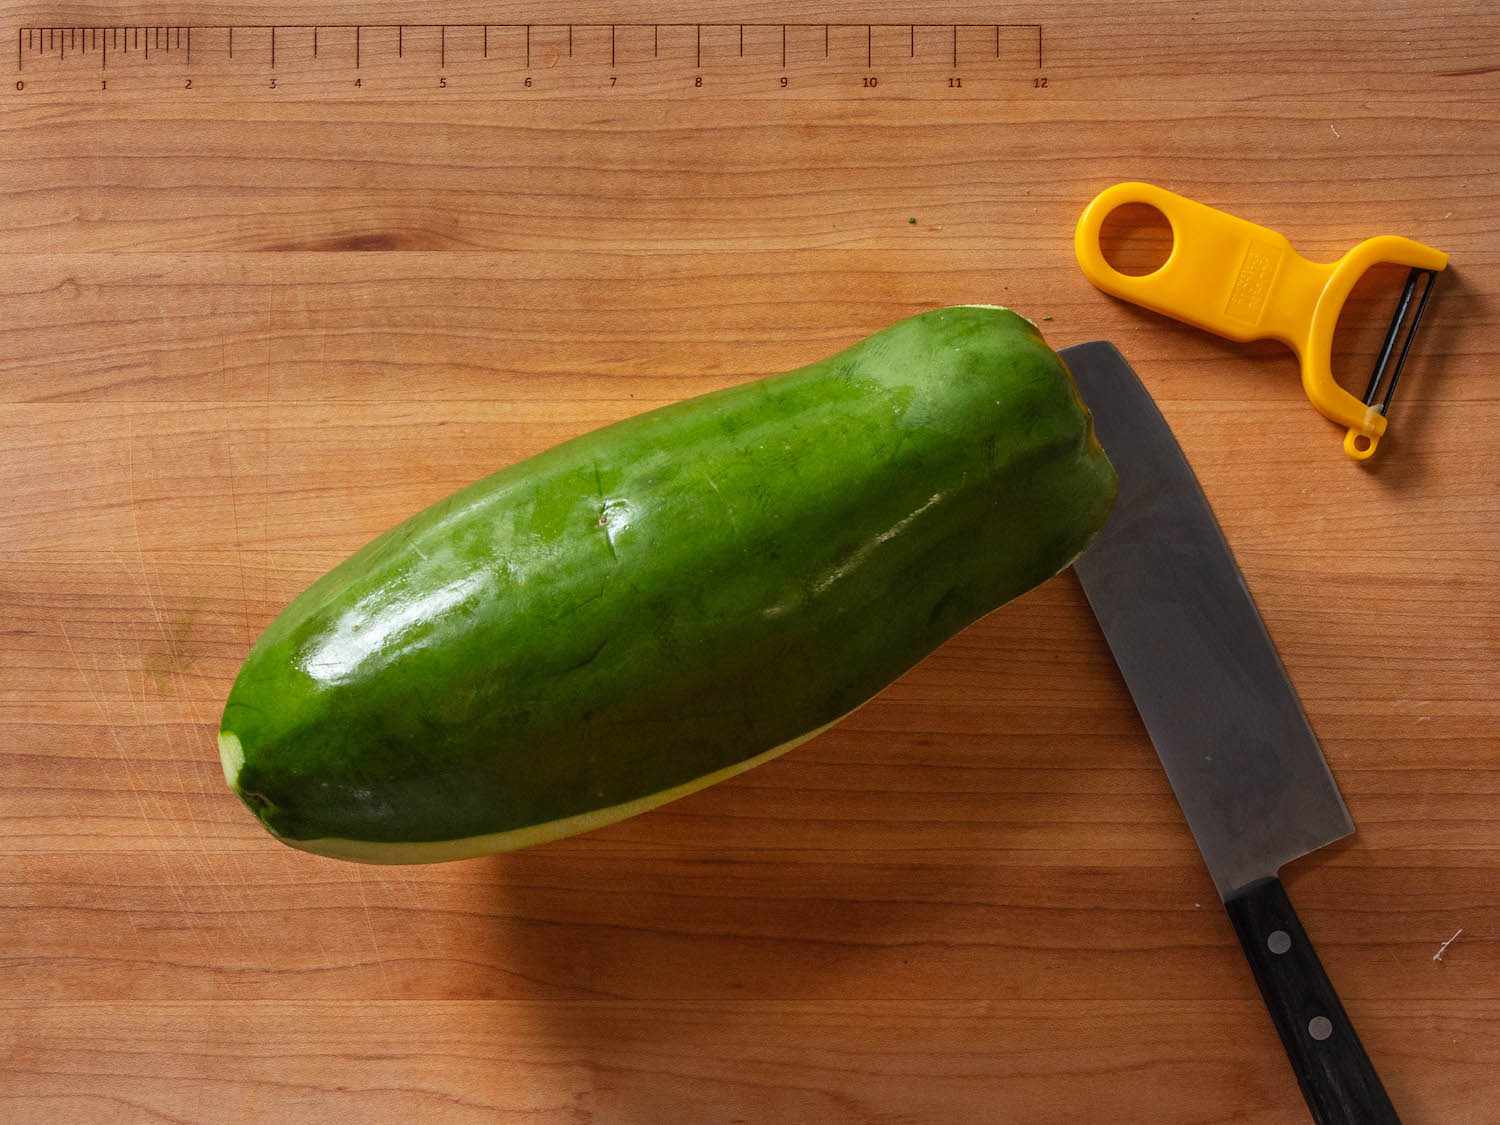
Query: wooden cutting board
x=244, y=328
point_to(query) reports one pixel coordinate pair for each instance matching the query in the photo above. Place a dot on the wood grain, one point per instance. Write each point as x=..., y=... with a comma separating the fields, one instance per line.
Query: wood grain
x=975, y=900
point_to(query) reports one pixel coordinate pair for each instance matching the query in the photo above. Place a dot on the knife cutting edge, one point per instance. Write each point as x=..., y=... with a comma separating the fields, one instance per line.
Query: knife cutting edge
x=1227, y=725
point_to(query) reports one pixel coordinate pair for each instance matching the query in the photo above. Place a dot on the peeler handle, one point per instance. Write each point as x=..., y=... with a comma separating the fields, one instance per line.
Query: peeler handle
x=1225, y=274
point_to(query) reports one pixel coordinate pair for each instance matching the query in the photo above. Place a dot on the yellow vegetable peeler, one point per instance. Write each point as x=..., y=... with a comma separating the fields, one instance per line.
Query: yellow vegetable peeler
x=1244, y=281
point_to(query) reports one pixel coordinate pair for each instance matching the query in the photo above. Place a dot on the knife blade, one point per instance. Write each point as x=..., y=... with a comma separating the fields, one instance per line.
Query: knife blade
x=1226, y=722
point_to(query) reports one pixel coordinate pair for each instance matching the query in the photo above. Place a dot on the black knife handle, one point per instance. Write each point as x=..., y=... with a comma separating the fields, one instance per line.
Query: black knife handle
x=1337, y=1078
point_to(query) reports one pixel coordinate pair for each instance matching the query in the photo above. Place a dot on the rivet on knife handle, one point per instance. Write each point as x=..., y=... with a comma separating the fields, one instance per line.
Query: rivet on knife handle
x=1244, y=281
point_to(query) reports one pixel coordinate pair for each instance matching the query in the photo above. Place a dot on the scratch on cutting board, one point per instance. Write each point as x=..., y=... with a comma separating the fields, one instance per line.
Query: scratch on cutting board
x=1335, y=132
x=130, y=777
x=1438, y=956
x=177, y=680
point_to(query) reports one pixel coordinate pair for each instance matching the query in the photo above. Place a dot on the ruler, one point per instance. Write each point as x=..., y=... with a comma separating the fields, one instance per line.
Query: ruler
x=536, y=59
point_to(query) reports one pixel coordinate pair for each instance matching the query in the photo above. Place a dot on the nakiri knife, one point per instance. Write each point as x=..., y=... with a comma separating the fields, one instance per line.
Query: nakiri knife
x=1228, y=726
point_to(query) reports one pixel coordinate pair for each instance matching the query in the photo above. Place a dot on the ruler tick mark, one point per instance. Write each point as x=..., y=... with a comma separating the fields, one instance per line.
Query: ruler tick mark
x=869, y=46
x=955, y=46
x=485, y=53
x=698, y=57
x=443, y=48
x=400, y=42
x=528, y=46
x=273, y=48
x=315, y=40
x=611, y=45
x=357, y=30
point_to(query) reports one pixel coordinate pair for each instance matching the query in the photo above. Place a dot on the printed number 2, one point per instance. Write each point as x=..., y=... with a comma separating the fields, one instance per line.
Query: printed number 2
x=1039, y=83
x=187, y=83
